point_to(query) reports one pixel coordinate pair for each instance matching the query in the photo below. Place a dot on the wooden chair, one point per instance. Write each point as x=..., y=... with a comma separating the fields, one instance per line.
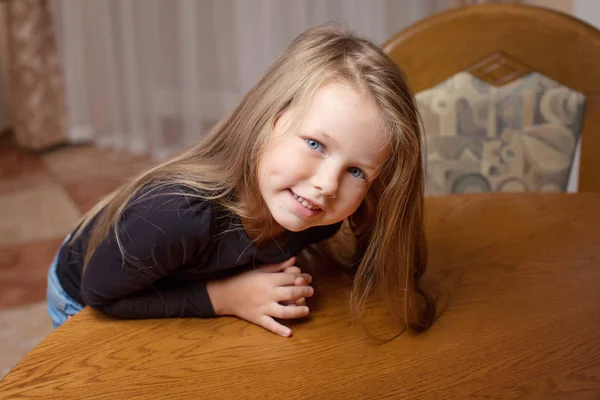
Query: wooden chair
x=505, y=92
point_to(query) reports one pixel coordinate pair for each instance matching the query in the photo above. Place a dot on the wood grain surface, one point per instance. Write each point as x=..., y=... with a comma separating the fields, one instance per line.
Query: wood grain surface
x=517, y=277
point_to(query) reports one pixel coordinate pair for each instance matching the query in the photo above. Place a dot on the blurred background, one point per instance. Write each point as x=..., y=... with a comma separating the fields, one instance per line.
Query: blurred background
x=94, y=91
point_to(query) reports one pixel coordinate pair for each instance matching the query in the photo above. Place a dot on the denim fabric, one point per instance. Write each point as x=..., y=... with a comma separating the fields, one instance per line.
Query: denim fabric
x=60, y=305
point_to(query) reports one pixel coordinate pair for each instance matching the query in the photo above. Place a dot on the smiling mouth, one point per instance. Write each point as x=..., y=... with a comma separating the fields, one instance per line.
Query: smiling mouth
x=306, y=203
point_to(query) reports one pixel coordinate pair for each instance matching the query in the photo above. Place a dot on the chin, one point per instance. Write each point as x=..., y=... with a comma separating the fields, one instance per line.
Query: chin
x=293, y=227
x=292, y=224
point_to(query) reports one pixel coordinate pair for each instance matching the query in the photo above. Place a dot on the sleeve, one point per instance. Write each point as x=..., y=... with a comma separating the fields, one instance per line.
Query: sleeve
x=158, y=234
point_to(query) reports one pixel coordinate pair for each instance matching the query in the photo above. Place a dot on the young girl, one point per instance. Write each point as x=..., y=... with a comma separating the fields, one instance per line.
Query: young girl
x=329, y=134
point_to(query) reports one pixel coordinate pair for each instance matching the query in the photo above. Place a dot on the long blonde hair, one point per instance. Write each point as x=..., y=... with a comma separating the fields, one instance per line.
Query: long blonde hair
x=388, y=226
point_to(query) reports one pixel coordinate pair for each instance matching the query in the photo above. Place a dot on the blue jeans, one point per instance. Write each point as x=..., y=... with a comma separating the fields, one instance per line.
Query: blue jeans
x=61, y=306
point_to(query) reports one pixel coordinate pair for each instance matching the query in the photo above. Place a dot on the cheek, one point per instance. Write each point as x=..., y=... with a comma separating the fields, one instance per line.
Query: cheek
x=285, y=160
x=270, y=159
x=351, y=197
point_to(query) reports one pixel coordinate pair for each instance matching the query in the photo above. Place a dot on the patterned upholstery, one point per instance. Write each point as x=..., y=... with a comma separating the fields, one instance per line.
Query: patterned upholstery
x=482, y=138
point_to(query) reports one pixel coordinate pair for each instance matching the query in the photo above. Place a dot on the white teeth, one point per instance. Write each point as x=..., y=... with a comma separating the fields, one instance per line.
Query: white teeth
x=305, y=203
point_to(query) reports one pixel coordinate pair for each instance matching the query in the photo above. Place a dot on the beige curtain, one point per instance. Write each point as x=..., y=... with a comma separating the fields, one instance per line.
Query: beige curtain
x=4, y=80
x=38, y=108
x=151, y=76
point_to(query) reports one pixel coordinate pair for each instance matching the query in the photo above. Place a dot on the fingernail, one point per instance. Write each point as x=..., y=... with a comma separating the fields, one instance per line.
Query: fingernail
x=287, y=332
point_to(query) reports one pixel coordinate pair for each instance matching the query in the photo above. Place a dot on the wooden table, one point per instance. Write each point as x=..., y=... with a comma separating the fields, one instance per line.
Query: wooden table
x=518, y=280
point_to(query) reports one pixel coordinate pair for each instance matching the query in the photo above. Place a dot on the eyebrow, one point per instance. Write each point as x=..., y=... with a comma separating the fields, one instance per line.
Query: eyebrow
x=328, y=137
x=372, y=168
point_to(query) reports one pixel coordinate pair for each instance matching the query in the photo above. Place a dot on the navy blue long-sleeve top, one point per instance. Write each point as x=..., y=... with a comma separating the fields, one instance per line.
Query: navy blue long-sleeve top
x=173, y=245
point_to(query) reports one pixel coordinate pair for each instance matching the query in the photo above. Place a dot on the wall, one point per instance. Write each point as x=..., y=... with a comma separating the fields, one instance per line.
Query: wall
x=565, y=6
x=588, y=11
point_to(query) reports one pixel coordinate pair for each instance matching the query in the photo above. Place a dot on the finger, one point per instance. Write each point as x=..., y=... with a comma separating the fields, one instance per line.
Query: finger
x=271, y=325
x=284, y=278
x=303, y=280
x=278, y=267
x=291, y=303
x=287, y=312
x=293, y=270
x=283, y=293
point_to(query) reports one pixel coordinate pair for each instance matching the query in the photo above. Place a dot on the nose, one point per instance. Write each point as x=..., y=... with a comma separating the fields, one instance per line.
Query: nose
x=327, y=179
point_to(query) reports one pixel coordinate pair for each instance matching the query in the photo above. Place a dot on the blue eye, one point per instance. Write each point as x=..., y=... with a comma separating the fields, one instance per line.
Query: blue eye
x=313, y=144
x=356, y=172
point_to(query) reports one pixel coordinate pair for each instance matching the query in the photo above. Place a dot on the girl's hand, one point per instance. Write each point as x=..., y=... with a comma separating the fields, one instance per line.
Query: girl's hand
x=302, y=280
x=259, y=295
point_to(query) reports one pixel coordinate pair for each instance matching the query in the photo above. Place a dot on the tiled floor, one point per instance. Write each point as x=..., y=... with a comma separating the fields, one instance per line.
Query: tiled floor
x=41, y=198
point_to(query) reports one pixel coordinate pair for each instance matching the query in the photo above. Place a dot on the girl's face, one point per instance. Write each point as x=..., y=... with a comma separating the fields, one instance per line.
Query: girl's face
x=319, y=173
